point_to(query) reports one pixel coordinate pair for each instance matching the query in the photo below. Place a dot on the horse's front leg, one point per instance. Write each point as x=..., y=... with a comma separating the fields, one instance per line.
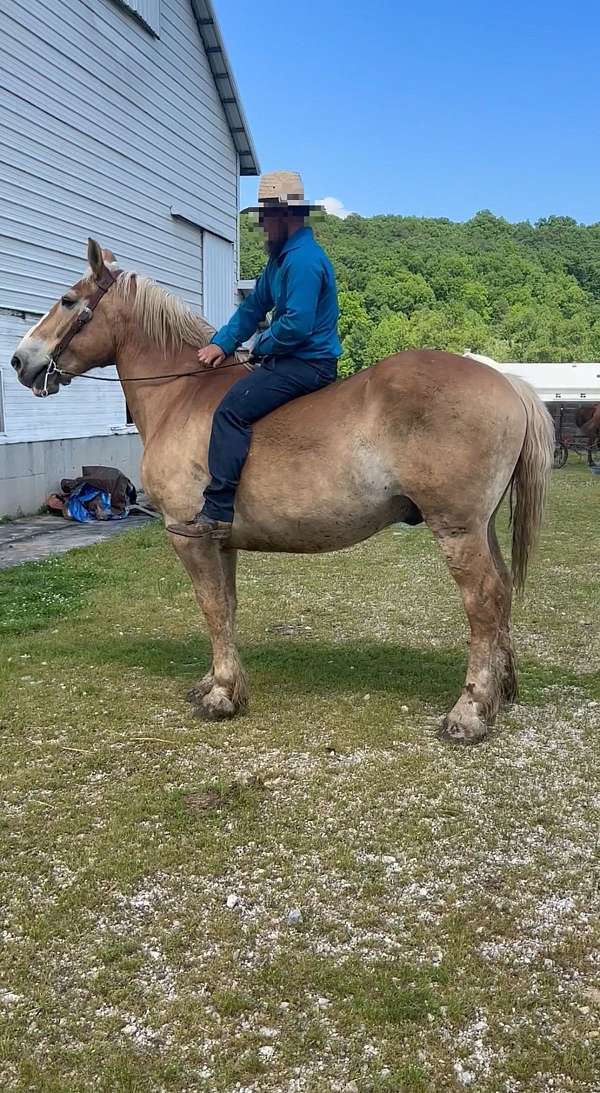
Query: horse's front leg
x=222, y=691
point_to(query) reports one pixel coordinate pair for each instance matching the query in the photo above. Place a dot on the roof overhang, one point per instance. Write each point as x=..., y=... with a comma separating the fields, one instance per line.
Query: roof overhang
x=226, y=86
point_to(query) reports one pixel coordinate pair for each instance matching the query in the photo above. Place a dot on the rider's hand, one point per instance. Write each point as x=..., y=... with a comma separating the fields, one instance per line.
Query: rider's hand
x=211, y=355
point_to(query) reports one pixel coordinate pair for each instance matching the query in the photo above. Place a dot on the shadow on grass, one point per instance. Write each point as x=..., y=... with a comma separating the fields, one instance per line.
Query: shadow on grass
x=430, y=675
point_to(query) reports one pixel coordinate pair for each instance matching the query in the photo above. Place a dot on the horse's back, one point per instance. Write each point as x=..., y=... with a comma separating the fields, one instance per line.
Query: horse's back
x=413, y=387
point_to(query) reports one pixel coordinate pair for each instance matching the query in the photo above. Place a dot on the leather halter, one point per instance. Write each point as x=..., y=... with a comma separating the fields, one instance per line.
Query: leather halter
x=104, y=282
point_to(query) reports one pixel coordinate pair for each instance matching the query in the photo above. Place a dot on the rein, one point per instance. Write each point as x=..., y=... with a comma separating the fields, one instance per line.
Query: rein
x=104, y=283
x=54, y=370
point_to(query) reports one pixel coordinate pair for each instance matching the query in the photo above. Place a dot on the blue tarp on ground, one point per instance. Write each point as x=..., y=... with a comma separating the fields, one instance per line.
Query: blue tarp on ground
x=77, y=506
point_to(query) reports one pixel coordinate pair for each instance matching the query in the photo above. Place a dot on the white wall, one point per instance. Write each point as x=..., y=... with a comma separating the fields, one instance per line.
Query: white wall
x=84, y=408
x=219, y=279
x=569, y=381
x=30, y=472
x=111, y=131
x=105, y=129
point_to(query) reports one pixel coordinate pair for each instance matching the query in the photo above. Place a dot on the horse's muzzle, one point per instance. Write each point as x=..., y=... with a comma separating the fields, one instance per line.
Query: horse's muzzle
x=34, y=368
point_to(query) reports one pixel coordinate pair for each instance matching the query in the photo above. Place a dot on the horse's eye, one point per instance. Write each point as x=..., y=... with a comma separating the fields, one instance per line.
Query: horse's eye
x=68, y=301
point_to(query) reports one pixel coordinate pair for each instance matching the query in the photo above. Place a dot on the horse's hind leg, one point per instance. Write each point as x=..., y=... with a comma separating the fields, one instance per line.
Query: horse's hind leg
x=222, y=691
x=506, y=669
x=474, y=559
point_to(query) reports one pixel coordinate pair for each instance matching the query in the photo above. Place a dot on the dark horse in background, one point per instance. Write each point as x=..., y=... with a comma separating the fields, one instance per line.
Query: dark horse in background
x=588, y=420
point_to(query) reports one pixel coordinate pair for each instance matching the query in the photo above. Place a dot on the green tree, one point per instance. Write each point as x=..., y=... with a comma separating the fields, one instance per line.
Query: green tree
x=389, y=336
x=514, y=291
x=355, y=330
x=252, y=251
x=404, y=292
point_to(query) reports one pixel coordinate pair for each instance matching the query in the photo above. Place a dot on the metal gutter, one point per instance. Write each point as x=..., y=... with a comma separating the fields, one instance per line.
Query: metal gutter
x=226, y=86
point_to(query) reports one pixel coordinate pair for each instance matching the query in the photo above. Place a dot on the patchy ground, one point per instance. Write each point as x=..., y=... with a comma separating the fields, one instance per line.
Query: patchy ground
x=32, y=538
x=320, y=896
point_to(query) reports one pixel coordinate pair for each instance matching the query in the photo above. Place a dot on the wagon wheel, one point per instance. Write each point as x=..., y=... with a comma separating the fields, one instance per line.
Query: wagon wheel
x=561, y=455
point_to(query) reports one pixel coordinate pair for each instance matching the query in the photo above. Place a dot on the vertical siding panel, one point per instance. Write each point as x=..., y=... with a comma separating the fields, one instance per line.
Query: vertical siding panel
x=219, y=278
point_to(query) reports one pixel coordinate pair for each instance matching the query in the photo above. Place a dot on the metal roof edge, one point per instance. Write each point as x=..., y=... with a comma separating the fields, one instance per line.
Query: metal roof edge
x=220, y=66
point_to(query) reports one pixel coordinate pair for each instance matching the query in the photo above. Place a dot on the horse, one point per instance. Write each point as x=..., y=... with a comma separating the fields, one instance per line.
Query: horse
x=421, y=435
x=587, y=419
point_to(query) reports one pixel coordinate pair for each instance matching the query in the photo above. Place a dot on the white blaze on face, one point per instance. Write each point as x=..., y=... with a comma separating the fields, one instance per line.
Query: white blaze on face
x=33, y=328
x=33, y=352
x=32, y=349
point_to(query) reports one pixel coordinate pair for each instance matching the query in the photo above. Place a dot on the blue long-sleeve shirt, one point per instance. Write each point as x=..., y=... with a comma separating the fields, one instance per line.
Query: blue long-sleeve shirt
x=299, y=284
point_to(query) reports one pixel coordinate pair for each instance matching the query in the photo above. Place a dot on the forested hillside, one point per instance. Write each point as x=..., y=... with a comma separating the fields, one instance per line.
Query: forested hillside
x=518, y=292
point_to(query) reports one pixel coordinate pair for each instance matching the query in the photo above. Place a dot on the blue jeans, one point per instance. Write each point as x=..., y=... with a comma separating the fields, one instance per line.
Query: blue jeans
x=278, y=380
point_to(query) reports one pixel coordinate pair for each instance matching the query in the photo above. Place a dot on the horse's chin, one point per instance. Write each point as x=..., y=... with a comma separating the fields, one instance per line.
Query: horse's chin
x=42, y=387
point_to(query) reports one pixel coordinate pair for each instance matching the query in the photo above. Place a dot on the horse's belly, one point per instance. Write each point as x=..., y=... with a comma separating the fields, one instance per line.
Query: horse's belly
x=317, y=500
x=317, y=530
x=311, y=534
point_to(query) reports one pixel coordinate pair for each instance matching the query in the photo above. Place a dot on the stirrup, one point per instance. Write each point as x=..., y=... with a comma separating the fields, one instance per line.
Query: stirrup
x=201, y=526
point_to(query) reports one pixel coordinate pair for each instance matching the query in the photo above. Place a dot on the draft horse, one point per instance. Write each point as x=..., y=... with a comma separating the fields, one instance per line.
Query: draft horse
x=587, y=419
x=420, y=434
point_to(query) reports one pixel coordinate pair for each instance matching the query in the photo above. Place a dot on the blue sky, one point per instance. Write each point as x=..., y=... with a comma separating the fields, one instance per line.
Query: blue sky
x=434, y=109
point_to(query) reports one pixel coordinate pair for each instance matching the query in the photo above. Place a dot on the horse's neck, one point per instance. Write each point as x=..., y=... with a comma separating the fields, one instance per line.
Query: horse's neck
x=149, y=401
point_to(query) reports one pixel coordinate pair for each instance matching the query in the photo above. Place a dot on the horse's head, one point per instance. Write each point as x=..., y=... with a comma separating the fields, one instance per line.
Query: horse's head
x=587, y=419
x=78, y=333
x=583, y=414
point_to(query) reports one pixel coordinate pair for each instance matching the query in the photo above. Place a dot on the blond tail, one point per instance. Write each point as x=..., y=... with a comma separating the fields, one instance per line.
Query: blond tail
x=530, y=480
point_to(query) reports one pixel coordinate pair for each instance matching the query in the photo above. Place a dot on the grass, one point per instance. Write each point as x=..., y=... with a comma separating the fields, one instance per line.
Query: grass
x=449, y=929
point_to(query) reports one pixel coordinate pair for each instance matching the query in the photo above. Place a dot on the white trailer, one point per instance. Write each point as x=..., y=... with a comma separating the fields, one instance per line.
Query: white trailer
x=565, y=388
x=572, y=382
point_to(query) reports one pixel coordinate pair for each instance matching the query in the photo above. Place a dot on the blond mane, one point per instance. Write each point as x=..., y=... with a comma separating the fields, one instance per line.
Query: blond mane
x=168, y=321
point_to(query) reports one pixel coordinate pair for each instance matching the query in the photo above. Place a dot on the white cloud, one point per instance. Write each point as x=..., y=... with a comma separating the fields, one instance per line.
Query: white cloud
x=335, y=207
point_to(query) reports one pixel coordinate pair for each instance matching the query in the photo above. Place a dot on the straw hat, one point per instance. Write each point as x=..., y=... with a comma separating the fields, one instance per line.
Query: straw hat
x=281, y=190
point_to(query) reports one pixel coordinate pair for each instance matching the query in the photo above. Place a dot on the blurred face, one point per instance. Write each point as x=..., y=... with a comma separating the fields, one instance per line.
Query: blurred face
x=276, y=224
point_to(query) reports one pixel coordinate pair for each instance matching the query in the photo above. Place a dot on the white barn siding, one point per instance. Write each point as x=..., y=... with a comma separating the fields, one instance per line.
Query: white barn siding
x=82, y=409
x=146, y=10
x=105, y=129
x=112, y=126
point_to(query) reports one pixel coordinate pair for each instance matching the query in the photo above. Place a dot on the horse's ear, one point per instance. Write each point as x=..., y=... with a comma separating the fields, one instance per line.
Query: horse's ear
x=95, y=258
x=108, y=256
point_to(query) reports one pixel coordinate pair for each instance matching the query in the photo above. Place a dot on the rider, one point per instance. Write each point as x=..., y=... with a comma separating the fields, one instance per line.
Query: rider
x=295, y=355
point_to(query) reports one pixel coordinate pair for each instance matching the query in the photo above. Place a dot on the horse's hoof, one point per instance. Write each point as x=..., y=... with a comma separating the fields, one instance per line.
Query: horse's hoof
x=455, y=731
x=200, y=690
x=216, y=706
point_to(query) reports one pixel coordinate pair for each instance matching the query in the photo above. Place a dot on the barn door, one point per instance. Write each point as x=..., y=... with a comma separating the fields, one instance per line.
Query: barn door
x=218, y=274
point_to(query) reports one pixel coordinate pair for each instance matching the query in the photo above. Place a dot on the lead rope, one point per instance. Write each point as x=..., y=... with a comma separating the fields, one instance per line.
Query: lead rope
x=53, y=369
